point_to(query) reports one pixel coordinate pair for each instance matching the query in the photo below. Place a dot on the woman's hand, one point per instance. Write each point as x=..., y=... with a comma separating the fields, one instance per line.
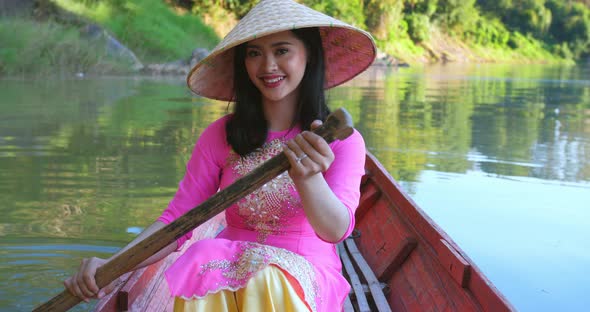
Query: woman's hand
x=308, y=154
x=83, y=285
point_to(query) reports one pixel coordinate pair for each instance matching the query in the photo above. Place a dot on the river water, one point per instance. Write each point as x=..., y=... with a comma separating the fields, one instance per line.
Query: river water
x=497, y=155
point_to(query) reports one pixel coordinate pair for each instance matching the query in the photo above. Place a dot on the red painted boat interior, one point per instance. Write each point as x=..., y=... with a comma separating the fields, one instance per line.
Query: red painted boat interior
x=422, y=267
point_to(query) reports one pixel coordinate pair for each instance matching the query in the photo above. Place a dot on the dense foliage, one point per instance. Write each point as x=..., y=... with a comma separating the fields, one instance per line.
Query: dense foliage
x=566, y=24
x=410, y=30
x=562, y=25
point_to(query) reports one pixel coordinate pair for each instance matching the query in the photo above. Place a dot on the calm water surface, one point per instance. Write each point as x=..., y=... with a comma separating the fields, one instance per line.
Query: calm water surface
x=498, y=156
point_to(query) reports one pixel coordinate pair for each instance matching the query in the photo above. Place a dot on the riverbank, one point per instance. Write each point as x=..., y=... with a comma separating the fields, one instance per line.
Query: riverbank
x=69, y=37
x=66, y=37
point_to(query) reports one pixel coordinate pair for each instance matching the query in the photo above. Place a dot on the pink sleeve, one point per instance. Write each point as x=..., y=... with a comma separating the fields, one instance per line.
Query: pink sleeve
x=202, y=176
x=345, y=173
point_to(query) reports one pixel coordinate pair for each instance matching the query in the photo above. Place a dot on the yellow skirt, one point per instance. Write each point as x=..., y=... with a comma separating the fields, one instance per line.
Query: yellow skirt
x=268, y=290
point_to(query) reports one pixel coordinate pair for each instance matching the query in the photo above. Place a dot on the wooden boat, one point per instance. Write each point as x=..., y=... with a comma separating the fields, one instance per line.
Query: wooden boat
x=397, y=259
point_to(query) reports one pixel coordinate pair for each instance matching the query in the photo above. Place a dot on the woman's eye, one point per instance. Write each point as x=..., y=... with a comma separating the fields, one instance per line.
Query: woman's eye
x=282, y=51
x=252, y=53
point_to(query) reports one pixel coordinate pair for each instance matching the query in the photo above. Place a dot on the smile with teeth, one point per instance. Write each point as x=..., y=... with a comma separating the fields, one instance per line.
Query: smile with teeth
x=273, y=80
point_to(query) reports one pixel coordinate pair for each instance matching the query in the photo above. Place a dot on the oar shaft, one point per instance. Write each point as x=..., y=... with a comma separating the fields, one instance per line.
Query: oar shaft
x=133, y=256
x=337, y=126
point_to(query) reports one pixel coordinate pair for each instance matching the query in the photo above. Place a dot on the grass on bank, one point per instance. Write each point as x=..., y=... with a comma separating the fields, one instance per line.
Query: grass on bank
x=153, y=30
x=45, y=48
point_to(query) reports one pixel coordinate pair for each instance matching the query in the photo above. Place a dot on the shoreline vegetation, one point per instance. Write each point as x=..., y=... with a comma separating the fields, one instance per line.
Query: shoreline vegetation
x=80, y=37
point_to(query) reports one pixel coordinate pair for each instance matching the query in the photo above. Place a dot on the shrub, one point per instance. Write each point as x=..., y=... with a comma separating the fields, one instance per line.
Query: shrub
x=418, y=27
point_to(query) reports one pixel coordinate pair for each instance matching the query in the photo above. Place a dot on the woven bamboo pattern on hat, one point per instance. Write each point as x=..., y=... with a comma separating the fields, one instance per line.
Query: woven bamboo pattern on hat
x=347, y=50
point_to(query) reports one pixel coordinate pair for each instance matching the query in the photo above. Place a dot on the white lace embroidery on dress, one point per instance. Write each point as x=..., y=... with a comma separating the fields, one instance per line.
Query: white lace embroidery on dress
x=253, y=258
x=268, y=208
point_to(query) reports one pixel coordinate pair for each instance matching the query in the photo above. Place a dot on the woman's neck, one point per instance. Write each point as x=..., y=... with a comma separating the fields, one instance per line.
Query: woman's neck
x=279, y=115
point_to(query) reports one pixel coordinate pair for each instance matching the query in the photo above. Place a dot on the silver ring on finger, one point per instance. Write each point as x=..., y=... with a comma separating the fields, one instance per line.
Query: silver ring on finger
x=300, y=158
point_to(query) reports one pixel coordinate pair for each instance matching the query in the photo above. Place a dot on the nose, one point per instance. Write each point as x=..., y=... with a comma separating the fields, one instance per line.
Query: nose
x=270, y=63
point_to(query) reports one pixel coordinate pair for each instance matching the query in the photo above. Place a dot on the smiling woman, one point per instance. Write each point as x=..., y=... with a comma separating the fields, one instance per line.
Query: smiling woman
x=293, y=65
x=279, y=243
x=476, y=161
x=275, y=64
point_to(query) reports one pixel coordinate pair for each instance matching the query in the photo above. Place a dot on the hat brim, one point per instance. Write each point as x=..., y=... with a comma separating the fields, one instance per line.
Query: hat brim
x=348, y=51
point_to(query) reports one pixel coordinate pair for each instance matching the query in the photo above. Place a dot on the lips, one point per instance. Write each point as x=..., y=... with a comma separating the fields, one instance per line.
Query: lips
x=272, y=81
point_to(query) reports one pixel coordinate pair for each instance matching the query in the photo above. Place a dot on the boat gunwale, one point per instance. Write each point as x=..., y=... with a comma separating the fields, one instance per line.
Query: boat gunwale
x=429, y=231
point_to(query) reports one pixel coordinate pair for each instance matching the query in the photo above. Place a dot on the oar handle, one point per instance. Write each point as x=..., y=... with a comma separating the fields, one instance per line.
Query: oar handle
x=337, y=126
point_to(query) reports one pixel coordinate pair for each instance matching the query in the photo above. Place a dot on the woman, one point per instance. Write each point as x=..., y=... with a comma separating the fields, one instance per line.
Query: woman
x=277, y=251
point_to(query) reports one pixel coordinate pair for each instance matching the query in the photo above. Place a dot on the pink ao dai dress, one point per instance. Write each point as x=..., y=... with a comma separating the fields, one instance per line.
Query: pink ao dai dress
x=267, y=227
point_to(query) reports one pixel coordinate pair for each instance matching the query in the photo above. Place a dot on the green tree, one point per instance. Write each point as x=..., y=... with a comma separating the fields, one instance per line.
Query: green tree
x=350, y=11
x=383, y=17
x=418, y=27
x=457, y=15
x=571, y=25
x=527, y=16
x=425, y=7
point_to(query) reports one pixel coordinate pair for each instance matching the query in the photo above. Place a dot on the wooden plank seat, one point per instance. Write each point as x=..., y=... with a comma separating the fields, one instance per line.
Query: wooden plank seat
x=367, y=293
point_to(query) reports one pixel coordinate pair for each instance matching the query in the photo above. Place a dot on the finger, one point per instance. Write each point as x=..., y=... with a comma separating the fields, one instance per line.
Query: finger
x=89, y=276
x=291, y=156
x=309, y=158
x=81, y=284
x=90, y=282
x=294, y=146
x=71, y=287
x=311, y=166
x=79, y=279
x=84, y=279
x=307, y=148
x=315, y=124
x=318, y=143
x=318, y=150
x=299, y=160
x=76, y=291
x=324, y=156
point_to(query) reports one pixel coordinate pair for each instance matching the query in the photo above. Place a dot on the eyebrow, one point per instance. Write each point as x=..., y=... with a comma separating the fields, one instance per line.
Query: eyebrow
x=276, y=44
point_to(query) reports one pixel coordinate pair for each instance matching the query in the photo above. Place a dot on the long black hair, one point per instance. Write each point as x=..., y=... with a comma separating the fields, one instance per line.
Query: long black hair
x=247, y=128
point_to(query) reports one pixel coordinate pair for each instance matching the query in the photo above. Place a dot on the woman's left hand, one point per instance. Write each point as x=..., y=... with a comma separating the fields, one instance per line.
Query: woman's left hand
x=308, y=154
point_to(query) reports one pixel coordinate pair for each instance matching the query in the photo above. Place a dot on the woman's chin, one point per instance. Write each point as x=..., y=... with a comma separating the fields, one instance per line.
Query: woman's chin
x=274, y=96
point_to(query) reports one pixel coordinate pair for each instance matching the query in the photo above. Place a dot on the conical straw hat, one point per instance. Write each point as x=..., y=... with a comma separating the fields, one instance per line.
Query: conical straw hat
x=347, y=50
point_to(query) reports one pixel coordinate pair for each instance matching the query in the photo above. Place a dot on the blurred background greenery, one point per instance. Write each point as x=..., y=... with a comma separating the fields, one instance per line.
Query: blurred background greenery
x=38, y=39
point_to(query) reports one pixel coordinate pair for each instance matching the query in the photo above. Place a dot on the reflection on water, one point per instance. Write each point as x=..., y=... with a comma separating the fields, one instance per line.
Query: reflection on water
x=529, y=241
x=497, y=155
x=30, y=268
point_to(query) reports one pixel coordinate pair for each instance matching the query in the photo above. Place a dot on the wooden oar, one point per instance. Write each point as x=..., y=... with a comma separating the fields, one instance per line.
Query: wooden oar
x=337, y=126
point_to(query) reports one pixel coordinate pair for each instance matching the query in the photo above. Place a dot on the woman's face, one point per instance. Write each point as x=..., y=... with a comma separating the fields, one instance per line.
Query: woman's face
x=275, y=64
